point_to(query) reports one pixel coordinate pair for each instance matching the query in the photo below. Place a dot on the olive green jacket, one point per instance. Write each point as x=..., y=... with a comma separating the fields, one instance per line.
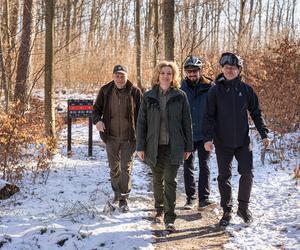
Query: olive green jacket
x=179, y=126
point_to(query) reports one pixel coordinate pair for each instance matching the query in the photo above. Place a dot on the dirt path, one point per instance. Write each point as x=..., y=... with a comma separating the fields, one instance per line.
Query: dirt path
x=194, y=229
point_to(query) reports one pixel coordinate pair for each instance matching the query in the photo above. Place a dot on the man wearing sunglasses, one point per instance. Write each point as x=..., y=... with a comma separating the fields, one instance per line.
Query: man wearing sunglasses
x=226, y=127
x=196, y=87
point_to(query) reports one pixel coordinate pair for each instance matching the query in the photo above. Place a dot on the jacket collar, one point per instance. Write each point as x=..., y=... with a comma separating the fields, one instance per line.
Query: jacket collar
x=154, y=93
x=222, y=80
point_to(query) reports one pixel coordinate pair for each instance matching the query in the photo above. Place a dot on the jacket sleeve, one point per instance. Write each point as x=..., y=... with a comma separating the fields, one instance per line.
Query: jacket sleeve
x=187, y=125
x=209, y=116
x=138, y=100
x=142, y=127
x=98, y=107
x=255, y=113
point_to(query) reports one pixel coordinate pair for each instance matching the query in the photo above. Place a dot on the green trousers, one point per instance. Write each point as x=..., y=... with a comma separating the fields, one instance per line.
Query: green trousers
x=164, y=184
x=120, y=159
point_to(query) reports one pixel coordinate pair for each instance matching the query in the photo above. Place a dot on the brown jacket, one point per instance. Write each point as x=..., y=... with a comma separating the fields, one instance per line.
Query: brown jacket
x=101, y=110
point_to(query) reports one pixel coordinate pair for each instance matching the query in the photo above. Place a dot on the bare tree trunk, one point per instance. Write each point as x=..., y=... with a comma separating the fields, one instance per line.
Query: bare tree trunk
x=3, y=78
x=148, y=25
x=138, y=42
x=168, y=24
x=272, y=20
x=259, y=21
x=13, y=25
x=92, y=26
x=267, y=22
x=24, y=54
x=241, y=29
x=293, y=15
x=156, y=34
x=6, y=43
x=49, y=105
x=67, y=42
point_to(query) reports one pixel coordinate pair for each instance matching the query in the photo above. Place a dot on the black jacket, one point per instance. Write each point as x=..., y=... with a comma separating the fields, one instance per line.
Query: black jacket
x=226, y=118
x=179, y=126
x=101, y=110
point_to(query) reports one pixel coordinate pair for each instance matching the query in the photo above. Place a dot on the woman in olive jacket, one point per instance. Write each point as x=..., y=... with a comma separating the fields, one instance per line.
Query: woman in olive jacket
x=164, y=136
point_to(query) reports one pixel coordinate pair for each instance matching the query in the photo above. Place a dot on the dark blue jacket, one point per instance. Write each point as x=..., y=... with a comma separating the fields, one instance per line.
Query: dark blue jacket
x=197, y=95
x=226, y=119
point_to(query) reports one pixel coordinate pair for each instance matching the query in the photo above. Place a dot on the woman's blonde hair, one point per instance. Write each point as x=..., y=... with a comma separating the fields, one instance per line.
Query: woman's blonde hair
x=155, y=77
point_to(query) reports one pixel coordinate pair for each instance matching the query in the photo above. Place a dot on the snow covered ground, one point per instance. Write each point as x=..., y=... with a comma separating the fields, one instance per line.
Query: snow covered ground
x=275, y=205
x=67, y=211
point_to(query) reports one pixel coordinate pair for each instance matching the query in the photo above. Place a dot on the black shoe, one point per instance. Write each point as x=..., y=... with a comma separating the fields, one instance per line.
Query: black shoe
x=190, y=204
x=123, y=206
x=205, y=203
x=226, y=218
x=159, y=213
x=170, y=227
x=245, y=214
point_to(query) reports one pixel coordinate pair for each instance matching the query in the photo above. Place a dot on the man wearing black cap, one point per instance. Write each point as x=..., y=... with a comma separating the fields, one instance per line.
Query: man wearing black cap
x=226, y=126
x=115, y=114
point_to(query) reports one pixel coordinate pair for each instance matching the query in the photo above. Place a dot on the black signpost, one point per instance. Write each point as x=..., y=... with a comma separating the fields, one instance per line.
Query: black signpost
x=78, y=108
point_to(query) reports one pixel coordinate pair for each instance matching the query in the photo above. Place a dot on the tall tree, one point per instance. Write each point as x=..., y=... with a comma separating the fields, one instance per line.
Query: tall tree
x=156, y=33
x=49, y=105
x=5, y=42
x=24, y=54
x=138, y=42
x=168, y=24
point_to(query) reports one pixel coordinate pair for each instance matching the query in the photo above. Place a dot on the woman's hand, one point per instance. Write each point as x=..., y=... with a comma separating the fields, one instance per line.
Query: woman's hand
x=186, y=155
x=141, y=155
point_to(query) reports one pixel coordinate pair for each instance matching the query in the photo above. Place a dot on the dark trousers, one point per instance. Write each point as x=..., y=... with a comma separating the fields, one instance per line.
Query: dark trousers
x=120, y=159
x=204, y=173
x=164, y=184
x=243, y=156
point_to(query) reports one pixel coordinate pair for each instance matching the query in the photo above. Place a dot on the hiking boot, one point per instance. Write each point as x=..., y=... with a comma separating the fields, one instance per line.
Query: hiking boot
x=227, y=216
x=190, y=204
x=245, y=214
x=116, y=199
x=170, y=227
x=205, y=203
x=158, y=218
x=123, y=206
x=159, y=213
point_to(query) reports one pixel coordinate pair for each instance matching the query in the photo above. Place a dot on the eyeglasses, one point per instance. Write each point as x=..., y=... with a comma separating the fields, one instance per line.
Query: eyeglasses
x=229, y=59
x=189, y=71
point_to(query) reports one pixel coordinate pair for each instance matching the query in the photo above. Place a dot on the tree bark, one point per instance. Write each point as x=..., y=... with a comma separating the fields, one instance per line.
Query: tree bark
x=24, y=54
x=156, y=34
x=168, y=24
x=49, y=105
x=138, y=43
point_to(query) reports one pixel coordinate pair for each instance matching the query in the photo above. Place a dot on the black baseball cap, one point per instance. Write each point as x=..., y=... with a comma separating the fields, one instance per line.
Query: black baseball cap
x=120, y=69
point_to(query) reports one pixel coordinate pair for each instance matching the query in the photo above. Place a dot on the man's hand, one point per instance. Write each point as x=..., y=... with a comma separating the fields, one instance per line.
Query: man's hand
x=100, y=126
x=186, y=155
x=209, y=146
x=141, y=155
x=266, y=142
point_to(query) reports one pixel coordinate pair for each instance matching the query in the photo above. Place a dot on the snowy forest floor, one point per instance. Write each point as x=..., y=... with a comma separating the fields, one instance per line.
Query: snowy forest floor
x=66, y=212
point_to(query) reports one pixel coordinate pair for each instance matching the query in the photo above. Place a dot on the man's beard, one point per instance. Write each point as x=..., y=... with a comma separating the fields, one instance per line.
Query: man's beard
x=192, y=83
